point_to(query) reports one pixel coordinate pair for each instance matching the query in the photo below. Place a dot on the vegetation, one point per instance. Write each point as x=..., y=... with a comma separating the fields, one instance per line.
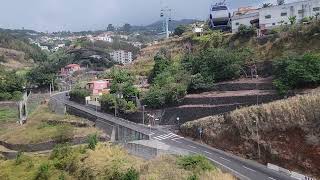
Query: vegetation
x=246, y=31
x=180, y=30
x=8, y=114
x=169, y=82
x=39, y=130
x=214, y=65
x=105, y=162
x=21, y=44
x=297, y=72
x=11, y=85
x=123, y=92
x=79, y=95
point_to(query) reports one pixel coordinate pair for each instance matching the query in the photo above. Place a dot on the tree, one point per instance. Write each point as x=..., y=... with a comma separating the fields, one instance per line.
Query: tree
x=180, y=30
x=126, y=28
x=110, y=27
x=292, y=19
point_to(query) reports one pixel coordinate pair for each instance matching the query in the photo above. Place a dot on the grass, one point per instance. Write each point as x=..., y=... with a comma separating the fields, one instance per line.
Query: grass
x=8, y=114
x=298, y=111
x=37, y=130
x=100, y=163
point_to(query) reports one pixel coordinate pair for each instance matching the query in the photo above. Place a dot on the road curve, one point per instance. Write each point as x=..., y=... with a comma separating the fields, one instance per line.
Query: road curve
x=242, y=168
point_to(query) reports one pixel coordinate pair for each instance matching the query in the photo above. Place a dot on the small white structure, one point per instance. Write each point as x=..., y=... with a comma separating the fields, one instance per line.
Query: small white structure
x=122, y=57
x=274, y=16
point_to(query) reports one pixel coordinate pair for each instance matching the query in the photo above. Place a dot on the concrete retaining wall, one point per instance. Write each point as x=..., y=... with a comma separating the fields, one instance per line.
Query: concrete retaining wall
x=114, y=130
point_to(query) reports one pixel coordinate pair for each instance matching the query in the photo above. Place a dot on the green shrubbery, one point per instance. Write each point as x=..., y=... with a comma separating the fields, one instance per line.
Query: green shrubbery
x=79, y=95
x=296, y=72
x=214, y=65
x=169, y=82
x=11, y=85
x=195, y=163
x=246, y=31
x=123, y=92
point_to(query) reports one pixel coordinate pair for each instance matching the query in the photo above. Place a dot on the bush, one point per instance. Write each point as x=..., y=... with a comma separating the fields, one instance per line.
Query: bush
x=297, y=72
x=43, y=172
x=16, y=96
x=79, y=95
x=92, y=141
x=246, y=31
x=64, y=133
x=131, y=174
x=109, y=102
x=211, y=65
x=195, y=163
x=4, y=96
x=180, y=30
x=19, y=159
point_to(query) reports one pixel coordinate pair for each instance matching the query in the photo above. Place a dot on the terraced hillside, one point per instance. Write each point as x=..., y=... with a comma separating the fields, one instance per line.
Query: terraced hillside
x=225, y=97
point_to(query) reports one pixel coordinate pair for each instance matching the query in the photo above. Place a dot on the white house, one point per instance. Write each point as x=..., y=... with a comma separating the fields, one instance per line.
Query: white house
x=122, y=57
x=246, y=18
x=274, y=16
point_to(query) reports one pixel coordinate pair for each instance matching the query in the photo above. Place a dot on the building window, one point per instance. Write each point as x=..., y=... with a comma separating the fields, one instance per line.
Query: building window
x=237, y=24
x=316, y=9
x=268, y=16
x=284, y=14
x=300, y=11
x=273, y=24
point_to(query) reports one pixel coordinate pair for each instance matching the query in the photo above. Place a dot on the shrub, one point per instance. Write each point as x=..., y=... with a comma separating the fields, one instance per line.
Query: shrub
x=4, y=96
x=196, y=163
x=19, y=157
x=16, y=95
x=216, y=64
x=131, y=174
x=193, y=177
x=64, y=133
x=79, y=95
x=296, y=72
x=43, y=172
x=246, y=31
x=92, y=141
x=180, y=30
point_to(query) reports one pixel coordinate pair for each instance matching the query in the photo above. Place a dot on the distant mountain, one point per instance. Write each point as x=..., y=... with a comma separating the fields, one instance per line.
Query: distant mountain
x=158, y=26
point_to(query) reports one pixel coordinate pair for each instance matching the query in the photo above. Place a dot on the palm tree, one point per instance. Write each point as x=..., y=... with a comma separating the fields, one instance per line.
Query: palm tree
x=292, y=19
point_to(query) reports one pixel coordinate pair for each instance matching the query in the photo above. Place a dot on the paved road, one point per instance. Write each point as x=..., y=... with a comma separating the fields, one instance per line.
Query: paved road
x=242, y=168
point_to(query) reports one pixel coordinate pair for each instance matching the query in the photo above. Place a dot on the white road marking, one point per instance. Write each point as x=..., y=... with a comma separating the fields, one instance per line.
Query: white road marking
x=176, y=141
x=179, y=137
x=226, y=167
x=207, y=152
x=225, y=159
x=272, y=178
x=151, y=134
x=192, y=147
x=249, y=168
x=167, y=136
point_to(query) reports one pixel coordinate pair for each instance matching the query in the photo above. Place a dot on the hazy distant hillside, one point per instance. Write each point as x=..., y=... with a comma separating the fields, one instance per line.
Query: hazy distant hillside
x=16, y=51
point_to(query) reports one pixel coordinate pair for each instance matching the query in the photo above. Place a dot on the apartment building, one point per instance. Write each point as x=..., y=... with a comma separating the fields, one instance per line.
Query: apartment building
x=122, y=57
x=274, y=16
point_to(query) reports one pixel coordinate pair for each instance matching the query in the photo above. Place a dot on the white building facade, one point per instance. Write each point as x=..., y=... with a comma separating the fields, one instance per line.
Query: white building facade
x=243, y=19
x=274, y=16
x=122, y=57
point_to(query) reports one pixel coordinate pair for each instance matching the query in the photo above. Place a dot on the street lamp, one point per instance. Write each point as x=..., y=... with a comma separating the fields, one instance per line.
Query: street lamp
x=178, y=120
x=143, y=109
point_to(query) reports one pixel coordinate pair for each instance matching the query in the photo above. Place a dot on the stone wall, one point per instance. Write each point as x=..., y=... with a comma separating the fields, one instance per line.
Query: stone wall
x=42, y=146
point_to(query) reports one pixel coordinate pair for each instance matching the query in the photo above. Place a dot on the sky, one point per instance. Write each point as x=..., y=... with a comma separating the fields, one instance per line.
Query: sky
x=78, y=15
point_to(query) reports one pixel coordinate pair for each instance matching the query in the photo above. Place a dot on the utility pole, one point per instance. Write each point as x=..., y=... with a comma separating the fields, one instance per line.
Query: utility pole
x=143, y=109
